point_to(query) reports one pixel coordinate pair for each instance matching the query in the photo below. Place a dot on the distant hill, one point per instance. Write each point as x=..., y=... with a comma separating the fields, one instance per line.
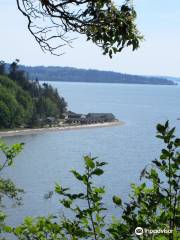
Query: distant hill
x=68, y=74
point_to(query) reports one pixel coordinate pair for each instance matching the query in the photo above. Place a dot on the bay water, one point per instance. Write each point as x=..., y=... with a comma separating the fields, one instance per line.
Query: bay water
x=48, y=157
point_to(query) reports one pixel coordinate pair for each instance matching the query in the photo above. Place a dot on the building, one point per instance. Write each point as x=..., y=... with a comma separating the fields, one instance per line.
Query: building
x=75, y=118
x=101, y=117
x=90, y=118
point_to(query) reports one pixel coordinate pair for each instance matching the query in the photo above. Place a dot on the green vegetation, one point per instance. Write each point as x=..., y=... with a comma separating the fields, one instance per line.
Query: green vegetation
x=16, y=105
x=107, y=25
x=25, y=103
x=153, y=205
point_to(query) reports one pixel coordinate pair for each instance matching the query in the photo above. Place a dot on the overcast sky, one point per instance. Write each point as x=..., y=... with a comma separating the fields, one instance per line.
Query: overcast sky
x=159, y=54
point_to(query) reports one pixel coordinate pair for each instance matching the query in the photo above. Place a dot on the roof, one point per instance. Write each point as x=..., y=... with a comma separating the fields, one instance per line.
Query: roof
x=100, y=115
x=75, y=115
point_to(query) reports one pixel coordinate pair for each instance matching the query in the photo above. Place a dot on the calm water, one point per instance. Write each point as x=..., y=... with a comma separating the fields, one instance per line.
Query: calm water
x=48, y=157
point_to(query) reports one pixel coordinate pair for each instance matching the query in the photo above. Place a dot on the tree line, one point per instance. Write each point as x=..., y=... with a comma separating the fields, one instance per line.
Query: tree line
x=25, y=102
x=69, y=74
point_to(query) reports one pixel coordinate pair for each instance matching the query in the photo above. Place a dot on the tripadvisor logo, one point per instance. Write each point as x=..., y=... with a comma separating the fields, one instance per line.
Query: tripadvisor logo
x=139, y=231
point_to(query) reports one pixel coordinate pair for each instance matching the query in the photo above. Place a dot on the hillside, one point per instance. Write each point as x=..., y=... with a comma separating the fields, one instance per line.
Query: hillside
x=16, y=105
x=26, y=103
x=68, y=74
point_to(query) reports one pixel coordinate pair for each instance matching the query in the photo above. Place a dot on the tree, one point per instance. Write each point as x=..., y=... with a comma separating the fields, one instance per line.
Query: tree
x=2, y=68
x=5, y=114
x=16, y=105
x=13, y=68
x=47, y=108
x=19, y=75
x=52, y=93
x=26, y=103
x=110, y=27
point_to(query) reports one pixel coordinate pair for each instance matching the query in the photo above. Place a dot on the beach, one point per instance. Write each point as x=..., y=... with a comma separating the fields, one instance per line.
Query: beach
x=30, y=131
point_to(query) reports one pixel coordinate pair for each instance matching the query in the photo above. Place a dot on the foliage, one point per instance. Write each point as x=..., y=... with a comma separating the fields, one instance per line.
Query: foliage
x=104, y=23
x=153, y=205
x=25, y=103
x=16, y=105
x=86, y=222
x=2, y=67
x=7, y=187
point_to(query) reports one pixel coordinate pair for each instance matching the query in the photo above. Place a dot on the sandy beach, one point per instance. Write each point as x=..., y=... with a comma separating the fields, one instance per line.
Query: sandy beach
x=30, y=131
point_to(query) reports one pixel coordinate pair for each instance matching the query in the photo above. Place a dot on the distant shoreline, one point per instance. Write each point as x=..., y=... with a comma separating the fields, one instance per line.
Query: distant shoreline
x=22, y=132
x=70, y=74
x=109, y=82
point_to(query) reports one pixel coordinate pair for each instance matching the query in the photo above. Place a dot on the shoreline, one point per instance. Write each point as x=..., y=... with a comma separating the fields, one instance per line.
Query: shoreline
x=22, y=132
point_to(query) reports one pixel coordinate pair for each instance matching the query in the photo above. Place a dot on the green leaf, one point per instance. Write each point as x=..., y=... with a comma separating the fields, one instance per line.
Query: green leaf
x=100, y=164
x=77, y=175
x=85, y=179
x=170, y=133
x=66, y=203
x=99, y=190
x=154, y=174
x=177, y=142
x=160, y=128
x=89, y=162
x=160, y=136
x=10, y=162
x=157, y=163
x=117, y=200
x=58, y=189
x=7, y=229
x=165, y=152
x=110, y=53
x=166, y=124
x=98, y=171
x=28, y=220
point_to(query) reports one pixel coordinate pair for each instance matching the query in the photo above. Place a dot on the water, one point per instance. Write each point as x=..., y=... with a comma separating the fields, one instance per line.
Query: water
x=48, y=157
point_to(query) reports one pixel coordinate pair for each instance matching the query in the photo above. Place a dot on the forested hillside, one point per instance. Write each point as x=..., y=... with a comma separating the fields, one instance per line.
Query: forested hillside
x=81, y=75
x=26, y=103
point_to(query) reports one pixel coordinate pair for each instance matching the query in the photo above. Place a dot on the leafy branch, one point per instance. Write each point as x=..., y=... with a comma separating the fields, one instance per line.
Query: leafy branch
x=109, y=26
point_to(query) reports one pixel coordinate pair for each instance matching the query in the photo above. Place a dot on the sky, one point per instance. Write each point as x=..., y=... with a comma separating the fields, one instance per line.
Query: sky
x=159, y=53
